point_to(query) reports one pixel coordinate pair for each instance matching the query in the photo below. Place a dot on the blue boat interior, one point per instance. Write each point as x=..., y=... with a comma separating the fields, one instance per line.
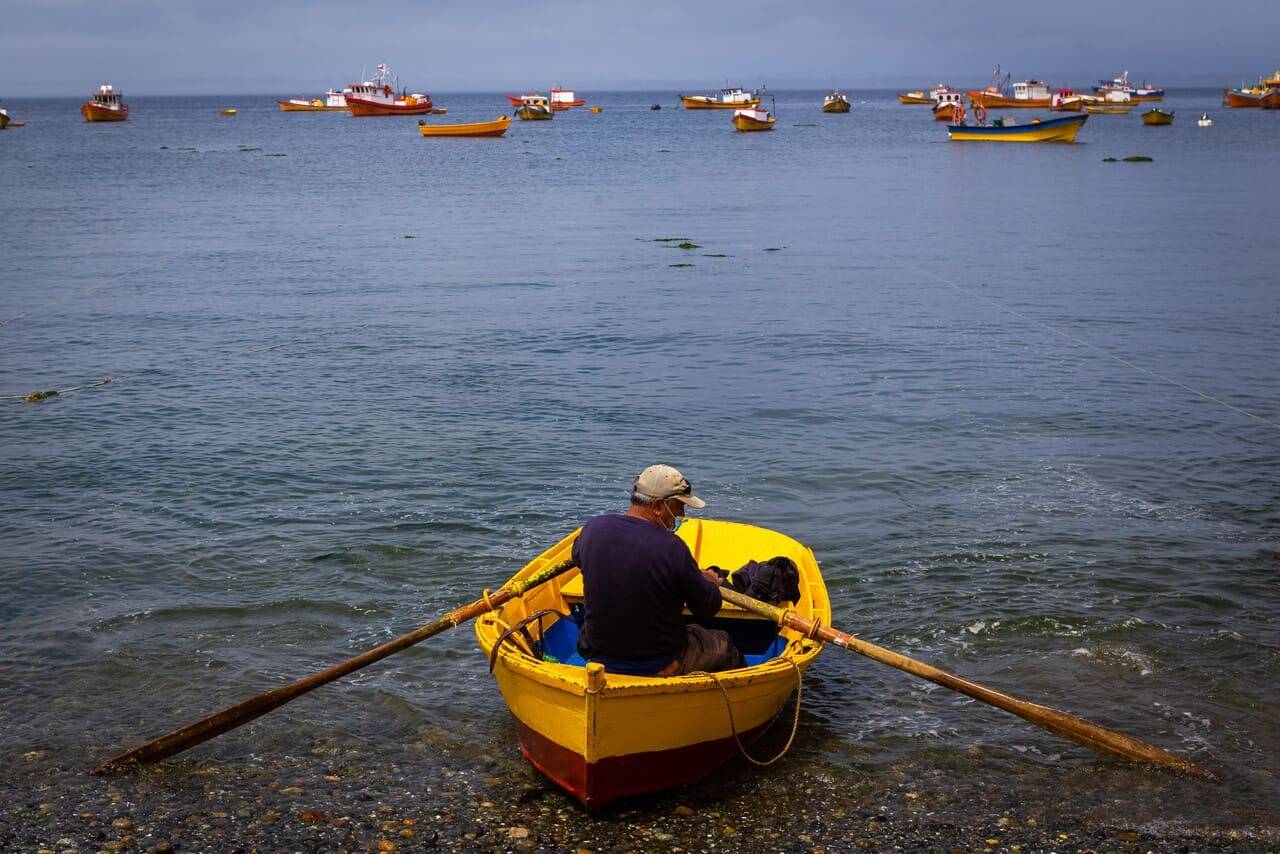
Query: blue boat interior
x=757, y=640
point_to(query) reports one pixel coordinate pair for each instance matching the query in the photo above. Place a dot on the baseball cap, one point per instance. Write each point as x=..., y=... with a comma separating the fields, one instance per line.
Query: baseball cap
x=659, y=481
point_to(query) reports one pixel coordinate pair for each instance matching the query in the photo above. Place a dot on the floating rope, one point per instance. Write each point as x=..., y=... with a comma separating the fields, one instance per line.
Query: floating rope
x=37, y=396
x=733, y=724
x=1083, y=343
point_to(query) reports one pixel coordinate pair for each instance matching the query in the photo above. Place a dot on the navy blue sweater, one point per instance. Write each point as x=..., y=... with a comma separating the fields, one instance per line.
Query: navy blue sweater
x=637, y=577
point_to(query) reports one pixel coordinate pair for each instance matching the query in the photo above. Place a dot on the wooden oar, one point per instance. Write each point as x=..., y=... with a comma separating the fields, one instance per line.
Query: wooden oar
x=1076, y=729
x=241, y=713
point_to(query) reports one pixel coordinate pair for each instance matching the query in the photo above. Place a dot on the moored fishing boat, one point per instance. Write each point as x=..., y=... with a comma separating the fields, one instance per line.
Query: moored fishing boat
x=836, y=102
x=333, y=102
x=497, y=127
x=752, y=119
x=106, y=105
x=1144, y=92
x=1003, y=130
x=1066, y=101
x=563, y=99
x=1157, y=116
x=949, y=107
x=1026, y=94
x=228, y=111
x=730, y=98
x=602, y=736
x=1101, y=108
x=535, y=108
x=376, y=97
x=920, y=96
x=1251, y=96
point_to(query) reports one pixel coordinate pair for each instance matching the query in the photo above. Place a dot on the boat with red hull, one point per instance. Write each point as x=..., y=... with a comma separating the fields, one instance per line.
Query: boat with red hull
x=106, y=105
x=376, y=97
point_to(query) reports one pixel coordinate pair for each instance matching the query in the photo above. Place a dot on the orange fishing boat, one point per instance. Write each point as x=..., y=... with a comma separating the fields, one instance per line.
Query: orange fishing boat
x=106, y=105
x=1027, y=94
x=753, y=119
x=948, y=107
x=377, y=98
x=497, y=127
x=563, y=99
x=1252, y=96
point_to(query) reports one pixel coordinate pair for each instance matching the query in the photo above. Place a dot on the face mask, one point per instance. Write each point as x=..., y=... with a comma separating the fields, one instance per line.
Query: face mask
x=676, y=521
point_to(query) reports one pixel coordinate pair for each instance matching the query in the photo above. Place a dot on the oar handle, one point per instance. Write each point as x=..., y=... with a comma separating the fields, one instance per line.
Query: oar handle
x=255, y=707
x=1075, y=729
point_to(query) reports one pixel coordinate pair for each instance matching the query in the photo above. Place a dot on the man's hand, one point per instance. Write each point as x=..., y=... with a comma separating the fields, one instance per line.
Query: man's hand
x=712, y=577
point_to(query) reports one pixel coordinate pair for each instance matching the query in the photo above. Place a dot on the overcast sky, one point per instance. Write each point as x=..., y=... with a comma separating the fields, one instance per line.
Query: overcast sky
x=67, y=47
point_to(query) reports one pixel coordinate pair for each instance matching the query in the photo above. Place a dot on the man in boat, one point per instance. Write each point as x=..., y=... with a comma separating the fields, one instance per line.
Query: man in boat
x=638, y=576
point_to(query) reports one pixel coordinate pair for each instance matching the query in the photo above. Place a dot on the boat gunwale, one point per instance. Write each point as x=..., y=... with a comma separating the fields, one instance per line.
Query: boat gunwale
x=799, y=650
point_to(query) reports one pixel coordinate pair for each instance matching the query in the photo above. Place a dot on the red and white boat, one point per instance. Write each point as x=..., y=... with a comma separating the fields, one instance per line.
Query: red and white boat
x=518, y=100
x=106, y=105
x=563, y=99
x=376, y=97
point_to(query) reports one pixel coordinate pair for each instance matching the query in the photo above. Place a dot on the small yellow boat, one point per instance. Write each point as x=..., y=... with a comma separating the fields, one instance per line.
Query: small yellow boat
x=1101, y=109
x=919, y=97
x=229, y=111
x=753, y=119
x=595, y=109
x=1157, y=116
x=497, y=127
x=603, y=736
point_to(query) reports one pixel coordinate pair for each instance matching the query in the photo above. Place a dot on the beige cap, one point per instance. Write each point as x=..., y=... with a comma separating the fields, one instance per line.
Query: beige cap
x=666, y=482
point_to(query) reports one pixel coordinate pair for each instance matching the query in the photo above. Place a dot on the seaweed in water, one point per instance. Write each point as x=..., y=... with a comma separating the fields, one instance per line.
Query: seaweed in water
x=37, y=396
x=164, y=147
x=773, y=249
x=679, y=265
x=714, y=255
x=687, y=245
x=275, y=155
x=1108, y=160
x=670, y=239
x=1138, y=158
x=409, y=237
x=244, y=148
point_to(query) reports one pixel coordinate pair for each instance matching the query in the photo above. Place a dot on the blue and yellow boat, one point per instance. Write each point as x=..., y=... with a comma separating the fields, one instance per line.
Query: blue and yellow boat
x=604, y=736
x=1002, y=130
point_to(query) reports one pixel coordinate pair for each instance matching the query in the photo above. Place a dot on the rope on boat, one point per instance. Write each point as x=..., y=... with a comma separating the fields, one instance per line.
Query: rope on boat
x=1113, y=357
x=733, y=724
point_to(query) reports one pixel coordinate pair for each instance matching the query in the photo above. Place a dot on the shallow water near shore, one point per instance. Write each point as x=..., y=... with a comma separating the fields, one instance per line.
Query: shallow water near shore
x=1022, y=403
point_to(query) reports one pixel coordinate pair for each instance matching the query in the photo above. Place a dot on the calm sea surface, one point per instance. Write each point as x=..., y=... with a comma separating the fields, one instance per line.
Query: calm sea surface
x=1022, y=403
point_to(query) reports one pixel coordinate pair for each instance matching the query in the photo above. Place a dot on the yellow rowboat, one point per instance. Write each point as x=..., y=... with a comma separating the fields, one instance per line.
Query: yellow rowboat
x=1050, y=130
x=603, y=736
x=497, y=127
x=1107, y=109
x=1156, y=116
x=229, y=111
x=914, y=98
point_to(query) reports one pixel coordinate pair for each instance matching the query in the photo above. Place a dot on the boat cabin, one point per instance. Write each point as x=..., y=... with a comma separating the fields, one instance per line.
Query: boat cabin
x=1030, y=90
x=947, y=97
x=754, y=113
x=535, y=101
x=735, y=95
x=106, y=96
x=562, y=96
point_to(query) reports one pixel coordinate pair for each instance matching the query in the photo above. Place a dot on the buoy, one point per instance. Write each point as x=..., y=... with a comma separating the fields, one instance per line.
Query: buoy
x=1205, y=121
